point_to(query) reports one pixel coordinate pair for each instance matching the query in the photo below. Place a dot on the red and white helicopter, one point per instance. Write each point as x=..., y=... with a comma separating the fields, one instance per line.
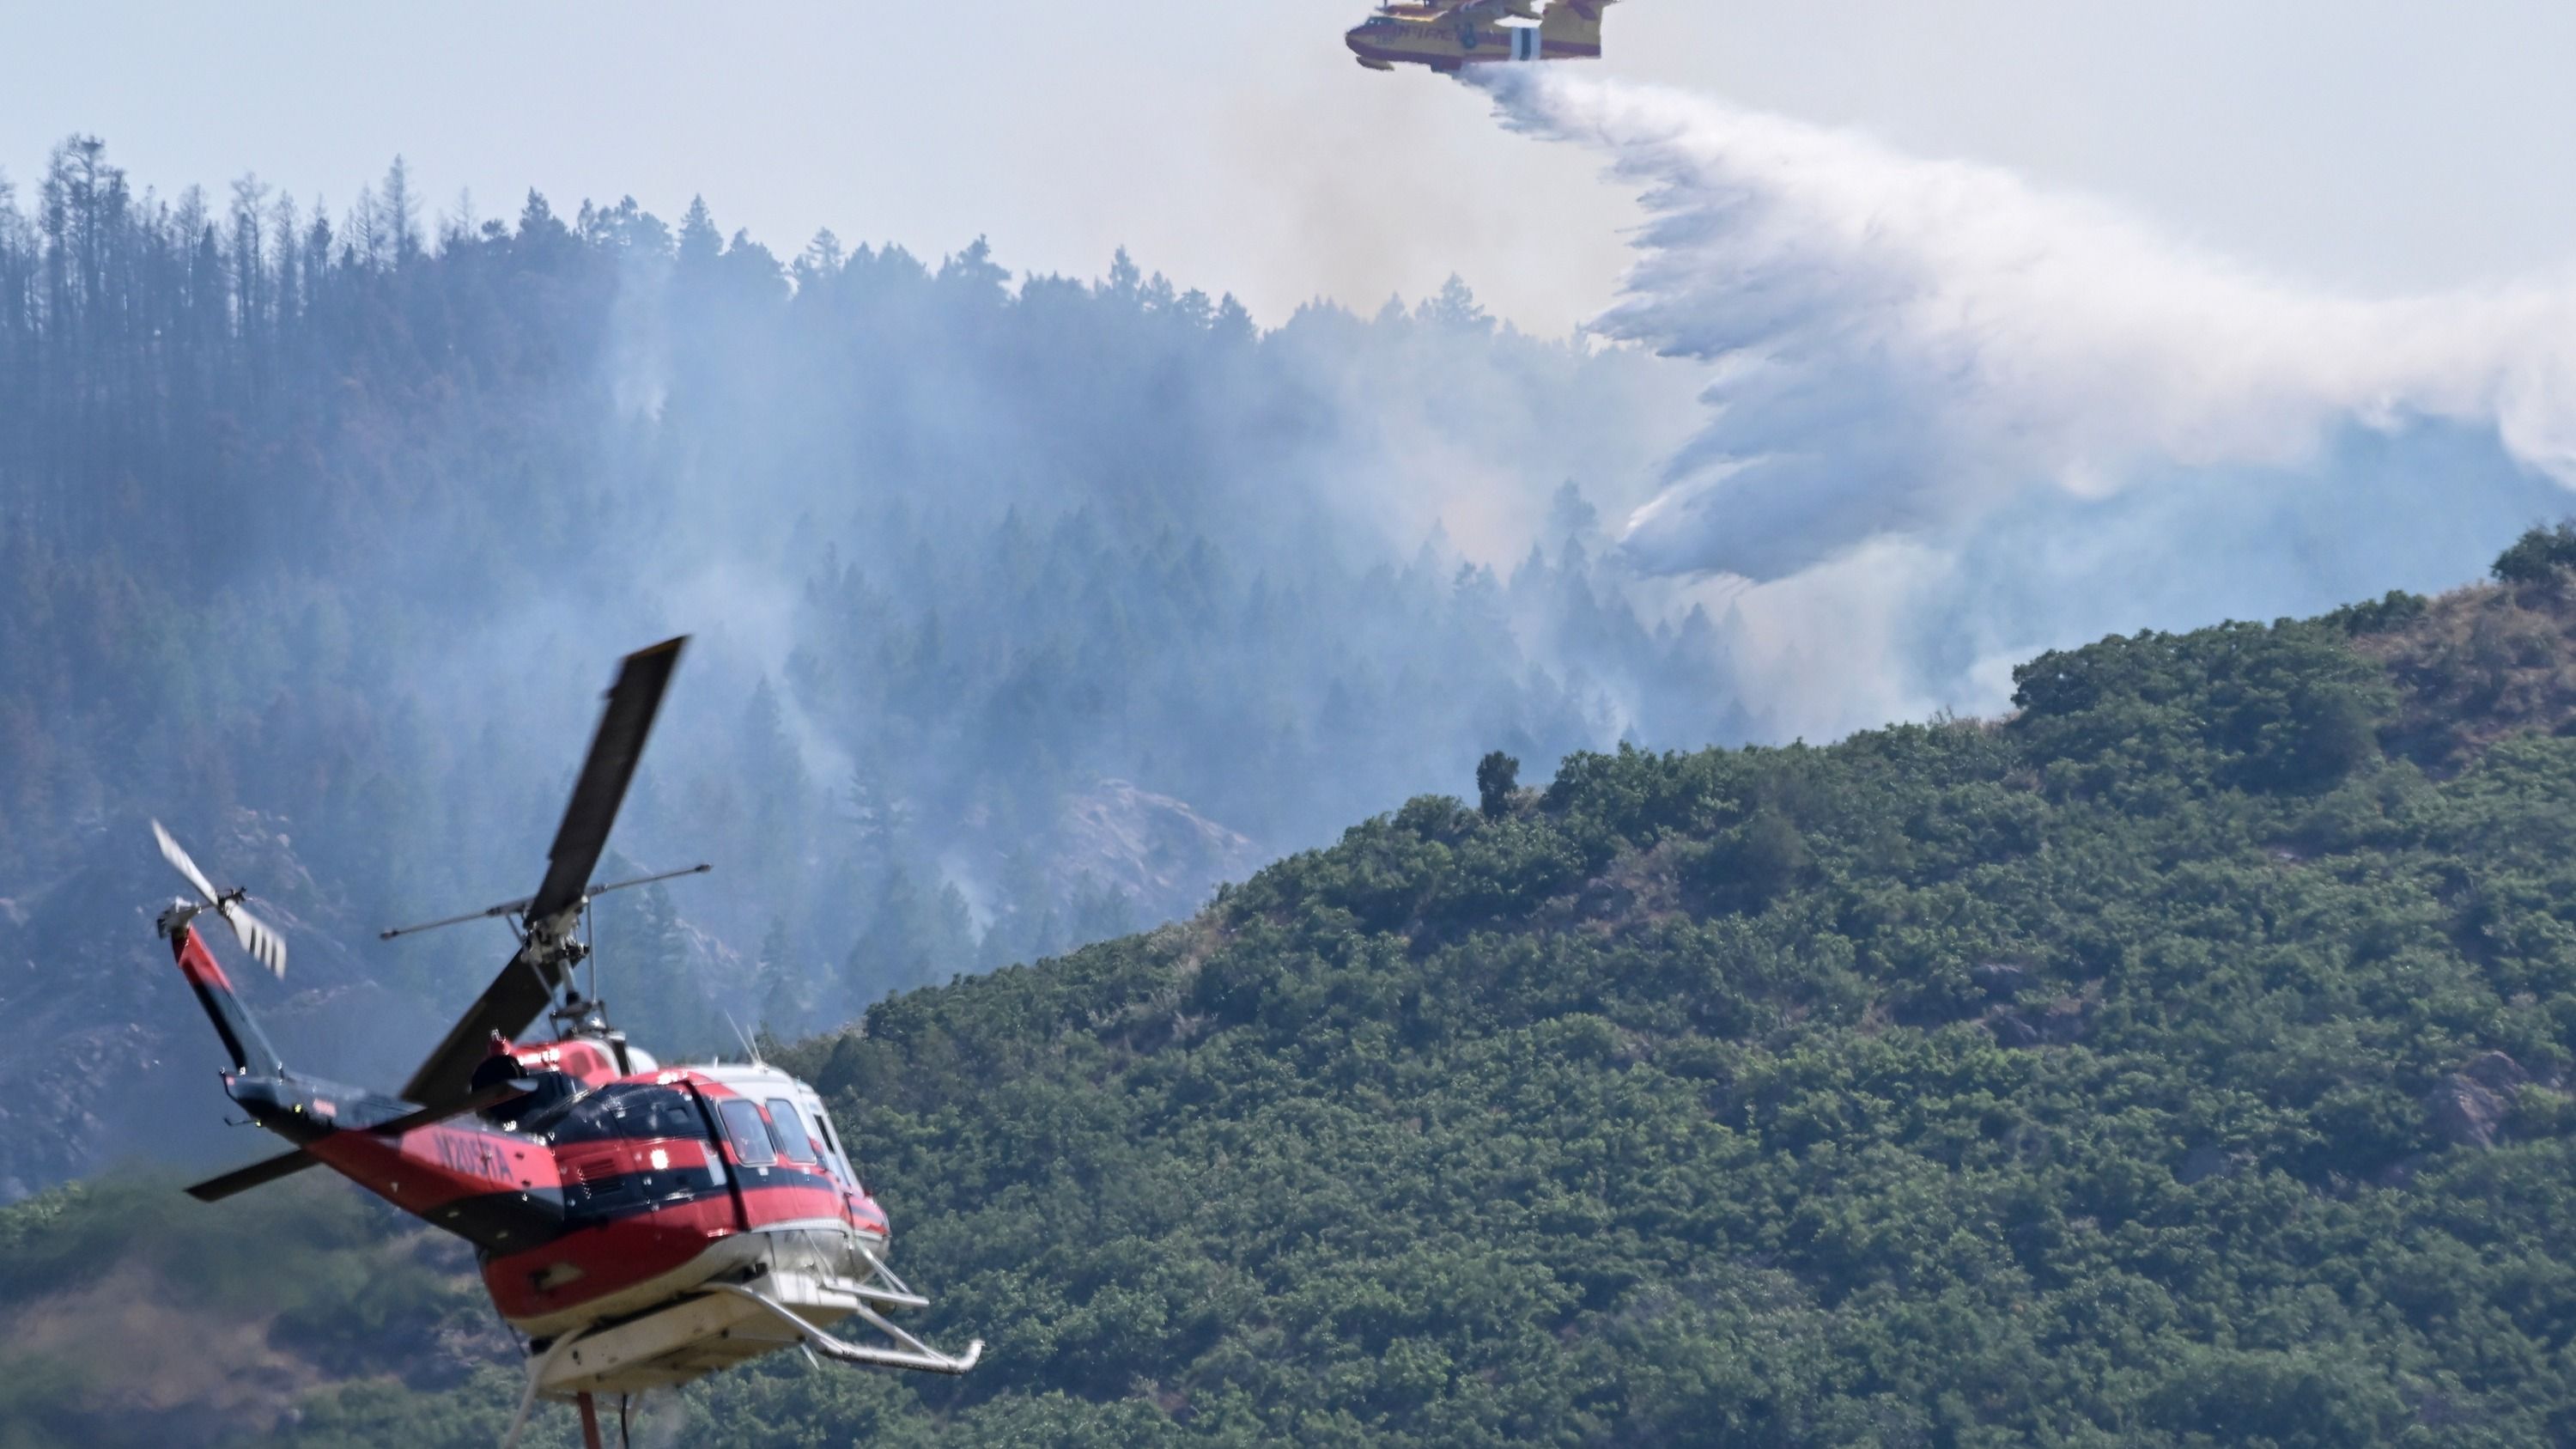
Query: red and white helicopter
x=639, y=1225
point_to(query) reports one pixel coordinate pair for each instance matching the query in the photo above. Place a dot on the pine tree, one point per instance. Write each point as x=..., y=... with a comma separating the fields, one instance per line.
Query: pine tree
x=786, y=1007
x=401, y=215
x=700, y=242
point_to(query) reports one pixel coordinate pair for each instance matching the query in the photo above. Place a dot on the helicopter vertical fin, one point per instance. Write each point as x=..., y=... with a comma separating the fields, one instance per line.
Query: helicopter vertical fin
x=248, y=1045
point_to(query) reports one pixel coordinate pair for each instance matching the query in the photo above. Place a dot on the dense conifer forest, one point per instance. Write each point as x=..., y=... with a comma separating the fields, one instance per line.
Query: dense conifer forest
x=1027, y=609
x=2180, y=1060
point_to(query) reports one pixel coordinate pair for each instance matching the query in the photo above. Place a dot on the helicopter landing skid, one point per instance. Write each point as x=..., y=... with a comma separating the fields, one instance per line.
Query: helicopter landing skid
x=914, y=1354
x=536, y=1376
x=702, y=1313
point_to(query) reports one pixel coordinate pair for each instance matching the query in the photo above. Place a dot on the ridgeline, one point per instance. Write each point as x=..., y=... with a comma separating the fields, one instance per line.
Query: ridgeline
x=2180, y=1060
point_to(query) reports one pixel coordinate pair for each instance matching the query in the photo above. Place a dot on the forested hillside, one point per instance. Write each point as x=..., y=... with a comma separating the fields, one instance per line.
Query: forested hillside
x=2180, y=1060
x=1027, y=608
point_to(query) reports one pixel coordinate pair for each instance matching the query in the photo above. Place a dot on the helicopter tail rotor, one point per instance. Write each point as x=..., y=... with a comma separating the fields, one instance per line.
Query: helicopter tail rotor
x=264, y=945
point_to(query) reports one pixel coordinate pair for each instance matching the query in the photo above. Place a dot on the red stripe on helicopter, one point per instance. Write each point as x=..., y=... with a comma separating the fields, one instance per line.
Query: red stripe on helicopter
x=197, y=963
x=618, y=1254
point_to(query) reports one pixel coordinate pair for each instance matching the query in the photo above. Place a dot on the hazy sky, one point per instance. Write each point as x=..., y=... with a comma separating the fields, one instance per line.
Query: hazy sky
x=2364, y=144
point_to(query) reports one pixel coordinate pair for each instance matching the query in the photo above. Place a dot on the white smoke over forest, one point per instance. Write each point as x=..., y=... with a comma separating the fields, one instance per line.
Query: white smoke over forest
x=1953, y=418
x=1028, y=608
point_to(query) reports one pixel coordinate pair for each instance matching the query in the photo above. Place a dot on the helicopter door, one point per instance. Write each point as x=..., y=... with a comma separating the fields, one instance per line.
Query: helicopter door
x=753, y=1154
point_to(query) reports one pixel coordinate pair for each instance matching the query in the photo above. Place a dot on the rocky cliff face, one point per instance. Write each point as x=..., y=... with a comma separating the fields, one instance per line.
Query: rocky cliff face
x=1162, y=855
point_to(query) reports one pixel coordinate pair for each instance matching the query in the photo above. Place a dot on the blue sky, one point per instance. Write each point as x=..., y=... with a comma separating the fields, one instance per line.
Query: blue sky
x=2371, y=146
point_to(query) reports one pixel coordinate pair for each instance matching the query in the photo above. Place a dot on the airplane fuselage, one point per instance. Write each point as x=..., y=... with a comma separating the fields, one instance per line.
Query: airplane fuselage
x=1447, y=42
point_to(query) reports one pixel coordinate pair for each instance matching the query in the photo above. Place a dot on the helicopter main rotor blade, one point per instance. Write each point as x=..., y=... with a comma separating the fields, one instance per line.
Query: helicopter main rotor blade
x=519, y=995
x=527, y=985
x=491, y=1096
x=512, y=908
x=632, y=702
x=179, y=861
x=701, y=868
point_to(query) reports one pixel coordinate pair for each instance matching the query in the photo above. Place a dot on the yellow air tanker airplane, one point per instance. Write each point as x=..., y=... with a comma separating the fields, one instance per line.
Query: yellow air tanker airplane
x=1448, y=35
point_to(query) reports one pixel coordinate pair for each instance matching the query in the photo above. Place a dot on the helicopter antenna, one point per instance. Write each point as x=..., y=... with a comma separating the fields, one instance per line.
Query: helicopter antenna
x=750, y=1048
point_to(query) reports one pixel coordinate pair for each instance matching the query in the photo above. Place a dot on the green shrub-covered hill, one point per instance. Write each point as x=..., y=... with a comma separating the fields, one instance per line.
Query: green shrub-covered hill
x=2177, y=1061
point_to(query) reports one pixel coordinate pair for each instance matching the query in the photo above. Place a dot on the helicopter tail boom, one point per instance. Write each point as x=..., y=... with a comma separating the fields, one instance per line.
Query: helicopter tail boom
x=242, y=1037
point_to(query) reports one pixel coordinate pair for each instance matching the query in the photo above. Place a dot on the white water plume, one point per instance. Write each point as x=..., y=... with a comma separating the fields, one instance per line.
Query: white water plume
x=2061, y=421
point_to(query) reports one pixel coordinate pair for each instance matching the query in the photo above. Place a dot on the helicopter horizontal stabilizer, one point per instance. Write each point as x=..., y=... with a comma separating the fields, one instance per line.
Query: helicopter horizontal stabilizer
x=258, y=1174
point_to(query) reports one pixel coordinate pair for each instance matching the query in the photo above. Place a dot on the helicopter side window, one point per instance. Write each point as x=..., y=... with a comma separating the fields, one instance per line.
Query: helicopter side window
x=625, y=1110
x=789, y=1129
x=750, y=1135
x=832, y=1144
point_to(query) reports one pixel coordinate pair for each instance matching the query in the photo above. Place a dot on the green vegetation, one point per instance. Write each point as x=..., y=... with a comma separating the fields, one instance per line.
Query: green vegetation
x=2541, y=555
x=2177, y=1062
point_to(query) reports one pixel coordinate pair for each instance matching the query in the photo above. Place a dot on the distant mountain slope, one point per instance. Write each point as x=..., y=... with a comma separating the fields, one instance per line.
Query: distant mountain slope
x=2180, y=1061
x=1016, y=598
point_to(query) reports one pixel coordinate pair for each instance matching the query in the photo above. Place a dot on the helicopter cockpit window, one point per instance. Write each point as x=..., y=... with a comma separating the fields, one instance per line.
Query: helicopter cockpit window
x=789, y=1129
x=622, y=1110
x=832, y=1146
x=750, y=1136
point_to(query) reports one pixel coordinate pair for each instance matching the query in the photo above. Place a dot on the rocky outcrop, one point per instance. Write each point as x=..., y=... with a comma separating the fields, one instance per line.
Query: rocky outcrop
x=1157, y=851
x=2496, y=1072
x=2064, y=1022
x=2000, y=980
x=2468, y=1107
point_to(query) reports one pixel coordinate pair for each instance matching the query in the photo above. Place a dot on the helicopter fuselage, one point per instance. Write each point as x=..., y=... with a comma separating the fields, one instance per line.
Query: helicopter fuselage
x=601, y=1200
x=641, y=1225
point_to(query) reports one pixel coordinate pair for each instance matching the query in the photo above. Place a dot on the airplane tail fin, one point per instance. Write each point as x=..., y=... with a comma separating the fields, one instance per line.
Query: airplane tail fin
x=1571, y=29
